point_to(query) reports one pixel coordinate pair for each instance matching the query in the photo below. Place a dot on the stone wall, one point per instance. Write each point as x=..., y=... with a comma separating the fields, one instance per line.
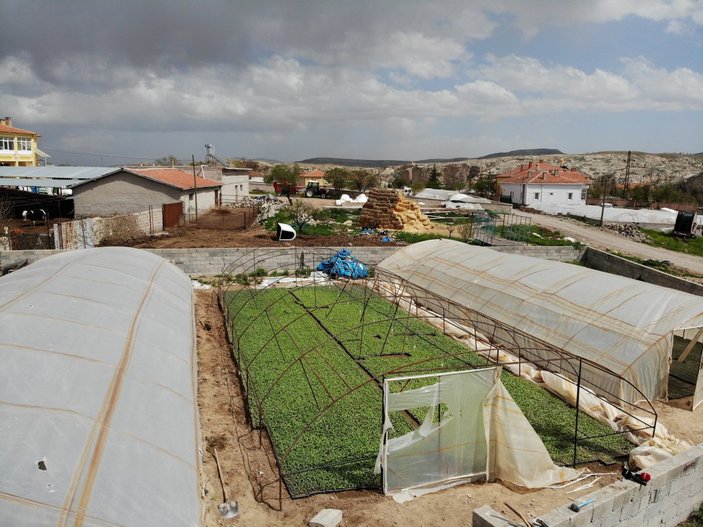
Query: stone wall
x=673, y=493
x=389, y=209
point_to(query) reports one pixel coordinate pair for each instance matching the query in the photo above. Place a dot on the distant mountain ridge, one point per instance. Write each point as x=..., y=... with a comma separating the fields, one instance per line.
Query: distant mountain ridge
x=526, y=152
x=383, y=163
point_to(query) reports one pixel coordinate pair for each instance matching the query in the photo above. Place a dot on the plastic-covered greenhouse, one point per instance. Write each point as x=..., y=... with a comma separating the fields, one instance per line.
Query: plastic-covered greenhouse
x=625, y=326
x=98, y=420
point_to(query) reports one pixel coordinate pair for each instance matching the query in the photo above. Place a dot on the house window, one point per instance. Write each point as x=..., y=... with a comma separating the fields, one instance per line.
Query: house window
x=571, y=195
x=583, y=193
x=24, y=143
x=190, y=196
x=7, y=143
x=536, y=195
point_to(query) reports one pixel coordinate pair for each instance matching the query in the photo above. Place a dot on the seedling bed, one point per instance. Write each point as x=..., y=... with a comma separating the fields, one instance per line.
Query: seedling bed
x=312, y=360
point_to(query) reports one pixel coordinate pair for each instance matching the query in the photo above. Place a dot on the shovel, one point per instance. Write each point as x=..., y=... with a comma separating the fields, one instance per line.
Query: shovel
x=228, y=509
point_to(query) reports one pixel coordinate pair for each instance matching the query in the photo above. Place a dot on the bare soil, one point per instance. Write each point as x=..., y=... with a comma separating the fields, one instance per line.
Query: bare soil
x=251, y=478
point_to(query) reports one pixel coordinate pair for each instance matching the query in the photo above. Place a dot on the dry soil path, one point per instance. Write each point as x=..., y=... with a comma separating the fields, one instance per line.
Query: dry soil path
x=605, y=239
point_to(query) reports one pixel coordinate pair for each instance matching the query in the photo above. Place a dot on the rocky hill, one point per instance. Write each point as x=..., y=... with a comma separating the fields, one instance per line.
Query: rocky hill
x=644, y=167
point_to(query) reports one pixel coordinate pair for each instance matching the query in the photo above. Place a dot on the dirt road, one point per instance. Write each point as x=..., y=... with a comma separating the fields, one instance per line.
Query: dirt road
x=605, y=239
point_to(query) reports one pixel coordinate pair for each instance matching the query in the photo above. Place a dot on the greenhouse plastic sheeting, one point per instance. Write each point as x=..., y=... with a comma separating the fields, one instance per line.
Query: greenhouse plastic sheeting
x=482, y=432
x=98, y=420
x=624, y=325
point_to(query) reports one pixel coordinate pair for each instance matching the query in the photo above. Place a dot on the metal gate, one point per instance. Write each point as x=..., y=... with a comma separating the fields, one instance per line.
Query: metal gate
x=31, y=241
x=171, y=213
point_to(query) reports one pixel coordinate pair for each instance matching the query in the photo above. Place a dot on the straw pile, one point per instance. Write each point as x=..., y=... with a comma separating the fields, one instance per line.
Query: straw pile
x=389, y=209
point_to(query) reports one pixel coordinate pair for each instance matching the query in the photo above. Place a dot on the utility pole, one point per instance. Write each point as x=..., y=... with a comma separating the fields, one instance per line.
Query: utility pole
x=605, y=188
x=195, y=190
x=626, y=183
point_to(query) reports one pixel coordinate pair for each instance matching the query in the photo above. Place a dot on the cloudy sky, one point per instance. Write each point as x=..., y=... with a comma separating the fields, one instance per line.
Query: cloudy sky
x=108, y=82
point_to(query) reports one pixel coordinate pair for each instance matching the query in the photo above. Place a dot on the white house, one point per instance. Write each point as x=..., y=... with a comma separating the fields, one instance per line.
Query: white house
x=542, y=183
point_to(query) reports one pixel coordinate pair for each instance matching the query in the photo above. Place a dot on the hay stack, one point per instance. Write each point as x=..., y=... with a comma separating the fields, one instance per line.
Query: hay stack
x=388, y=209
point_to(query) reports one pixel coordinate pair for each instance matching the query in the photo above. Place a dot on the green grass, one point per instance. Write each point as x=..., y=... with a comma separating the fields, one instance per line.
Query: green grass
x=330, y=222
x=311, y=372
x=692, y=246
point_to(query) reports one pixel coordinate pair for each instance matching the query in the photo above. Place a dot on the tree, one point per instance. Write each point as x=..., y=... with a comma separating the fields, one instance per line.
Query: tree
x=485, y=186
x=362, y=180
x=302, y=212
x=167, y=161
x=339, y=177
x=401, y=179
x=434, y=180
x=287, y=177
x=474, y=173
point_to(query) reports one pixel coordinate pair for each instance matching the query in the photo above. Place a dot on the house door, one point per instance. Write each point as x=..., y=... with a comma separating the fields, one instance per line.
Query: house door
x=171, y=213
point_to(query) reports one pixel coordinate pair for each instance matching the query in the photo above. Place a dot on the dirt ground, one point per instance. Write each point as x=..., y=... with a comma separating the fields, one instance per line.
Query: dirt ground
x=249, y=469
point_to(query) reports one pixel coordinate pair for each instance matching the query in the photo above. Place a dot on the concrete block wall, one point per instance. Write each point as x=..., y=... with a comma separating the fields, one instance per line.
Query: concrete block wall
x=610, y=263
x=215, y=261
x=674, y=492
x=245, y=260
x=561, y=253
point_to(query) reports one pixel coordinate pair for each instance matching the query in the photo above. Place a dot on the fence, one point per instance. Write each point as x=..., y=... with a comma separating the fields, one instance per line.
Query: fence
x=90, y=232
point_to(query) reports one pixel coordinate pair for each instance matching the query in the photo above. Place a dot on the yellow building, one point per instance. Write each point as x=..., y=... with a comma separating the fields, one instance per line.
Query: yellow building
x=18, y=148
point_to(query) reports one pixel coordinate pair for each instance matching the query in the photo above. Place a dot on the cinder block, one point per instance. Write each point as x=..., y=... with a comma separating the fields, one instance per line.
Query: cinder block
x=581, y=518
x=603, y=504
x=485, y=516
x=326, y=518
x=557, y=517
x=611, y=520
x=623, y=491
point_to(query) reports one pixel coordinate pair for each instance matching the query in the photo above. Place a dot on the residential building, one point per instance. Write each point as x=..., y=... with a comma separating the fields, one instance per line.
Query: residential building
x=18, y=148
x=542, y=183
x=313, y=176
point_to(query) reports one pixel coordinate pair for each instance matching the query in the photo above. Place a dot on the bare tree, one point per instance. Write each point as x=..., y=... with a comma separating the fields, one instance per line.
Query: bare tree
x=302, y=212
x=6, y=209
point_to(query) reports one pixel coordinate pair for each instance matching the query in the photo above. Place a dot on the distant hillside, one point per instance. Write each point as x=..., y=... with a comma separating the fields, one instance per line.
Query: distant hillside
x=527, y=152
x=383, y=163
x=342, y=162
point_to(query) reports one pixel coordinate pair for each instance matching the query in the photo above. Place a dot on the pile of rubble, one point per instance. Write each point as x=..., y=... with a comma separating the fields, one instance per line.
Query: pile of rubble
x=628, y=230
x=389, y=209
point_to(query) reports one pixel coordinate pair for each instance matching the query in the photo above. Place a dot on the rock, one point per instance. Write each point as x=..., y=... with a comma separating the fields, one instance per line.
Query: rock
x=326, y=518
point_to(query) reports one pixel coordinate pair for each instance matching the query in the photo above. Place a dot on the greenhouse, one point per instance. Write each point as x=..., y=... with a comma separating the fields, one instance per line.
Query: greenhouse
x=540, y=308
x=380, y=379
x=98, y=418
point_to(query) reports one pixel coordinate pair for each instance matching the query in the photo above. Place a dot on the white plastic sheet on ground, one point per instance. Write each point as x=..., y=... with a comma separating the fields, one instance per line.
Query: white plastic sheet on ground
x=481, y=433
x=626, y=326
x=610, y=214
x=98, y=383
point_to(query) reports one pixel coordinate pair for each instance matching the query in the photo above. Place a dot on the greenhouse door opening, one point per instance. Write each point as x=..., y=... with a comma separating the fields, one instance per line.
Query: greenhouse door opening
x=686, y=369
x=449, y=444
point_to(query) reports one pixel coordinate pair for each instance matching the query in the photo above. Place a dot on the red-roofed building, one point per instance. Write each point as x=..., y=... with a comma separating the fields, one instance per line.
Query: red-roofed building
x=538, y=182
x=135, y=190
x=313, y=176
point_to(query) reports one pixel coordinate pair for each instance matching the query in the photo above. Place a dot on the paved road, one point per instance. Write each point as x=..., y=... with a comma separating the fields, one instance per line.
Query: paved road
x=605, y=239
